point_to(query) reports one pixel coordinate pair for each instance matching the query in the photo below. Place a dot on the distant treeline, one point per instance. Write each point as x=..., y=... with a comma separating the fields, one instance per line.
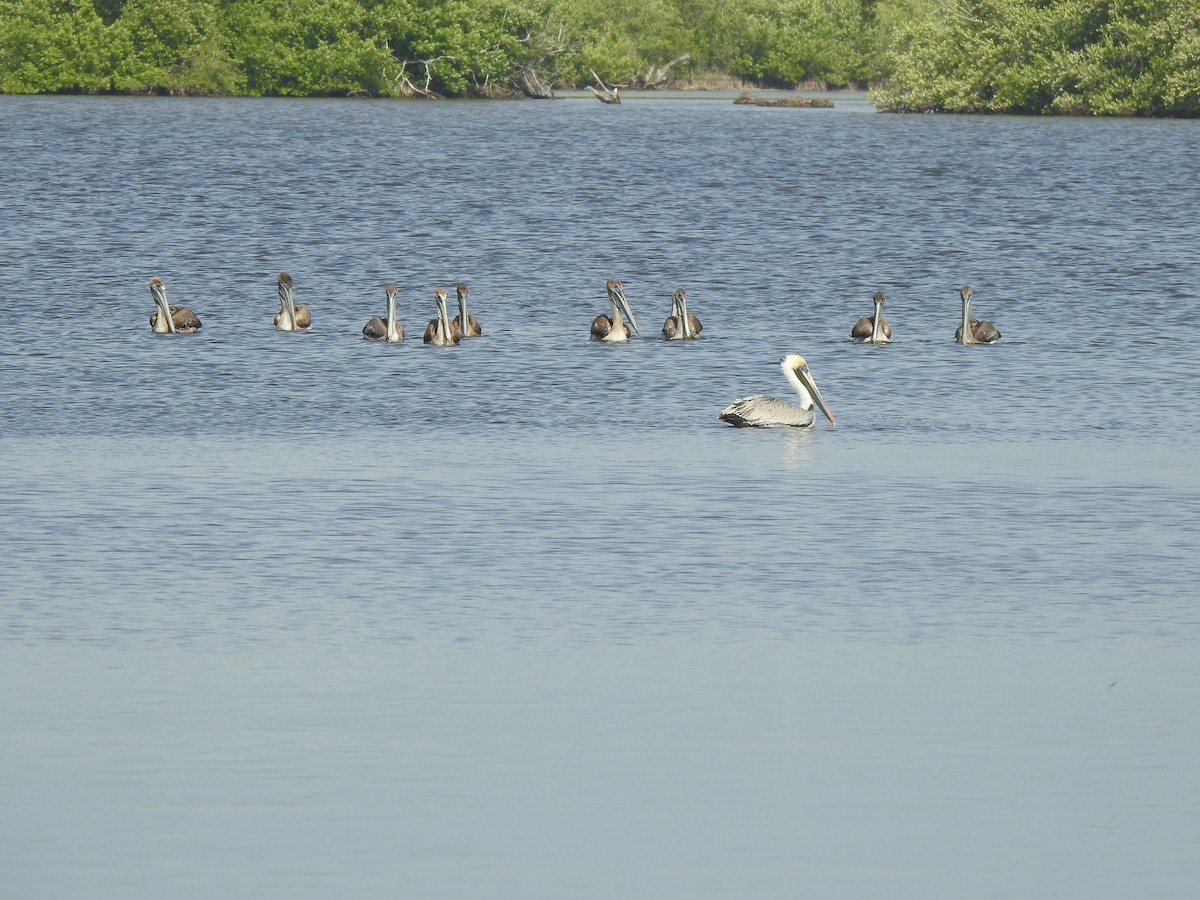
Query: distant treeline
x=1114, y=57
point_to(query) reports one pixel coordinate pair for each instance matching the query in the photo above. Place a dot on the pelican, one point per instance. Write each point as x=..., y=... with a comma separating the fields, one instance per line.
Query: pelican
x=438, y=332
x=170, y=319
x=388, y=329
x=767, y=412
x=612, y=329
x=973, y=331
x=473, y=329
x=290, y=316
x=691, y=327
x=872, y=329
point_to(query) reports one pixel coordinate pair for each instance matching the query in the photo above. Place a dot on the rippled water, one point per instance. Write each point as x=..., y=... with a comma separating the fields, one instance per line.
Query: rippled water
x=299, y=614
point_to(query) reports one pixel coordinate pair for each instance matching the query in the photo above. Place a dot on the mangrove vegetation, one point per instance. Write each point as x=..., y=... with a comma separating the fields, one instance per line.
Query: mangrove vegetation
x=1094, y=57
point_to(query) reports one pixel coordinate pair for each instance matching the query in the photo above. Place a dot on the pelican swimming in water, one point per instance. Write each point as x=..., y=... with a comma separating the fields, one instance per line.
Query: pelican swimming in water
x=473, y=329
x=290, y=316
x=170, y=319
x=691, y=327
x=438, y=332
x=612, y=329
x=973, y=331
x=387, y=329
x=872, y=329
x=767, y=412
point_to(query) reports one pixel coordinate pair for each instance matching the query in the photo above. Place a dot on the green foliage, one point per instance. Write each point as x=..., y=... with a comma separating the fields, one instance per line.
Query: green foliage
x=1100, y=57
x=1065, y=56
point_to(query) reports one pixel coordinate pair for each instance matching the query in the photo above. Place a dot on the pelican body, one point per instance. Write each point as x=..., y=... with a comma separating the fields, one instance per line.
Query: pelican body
x=387, y=329
x=290, y=316
x=872, y=329
x=473, y=329
x=767, y=412
x=973, y=331
x=438, y=332
x=680, y=325
x=170, y=319
x=612, y=329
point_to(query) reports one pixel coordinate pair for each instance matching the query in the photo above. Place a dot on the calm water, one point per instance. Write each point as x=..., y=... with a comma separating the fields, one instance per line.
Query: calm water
x=304, y=616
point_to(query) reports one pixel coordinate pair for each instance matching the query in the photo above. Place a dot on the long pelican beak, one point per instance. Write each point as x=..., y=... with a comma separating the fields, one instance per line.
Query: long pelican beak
x=443, y=316
x=684, y=326
x=877, y=336
x=806, y=379
x=159, y=292
x=288, y=305
x=390, y=325
x=968, y=336
x=462, y=308
x=617, y=293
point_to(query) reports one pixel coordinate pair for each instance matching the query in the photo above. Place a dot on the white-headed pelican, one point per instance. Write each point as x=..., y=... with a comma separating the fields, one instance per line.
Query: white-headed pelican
x=170, y=319
x=680, y=325
x=973, y=331
x=438, y=332
x=290, y=316
x=872, y=329
x=473, y=329
x=387, y=329
x=767, y=412
x=612, y=329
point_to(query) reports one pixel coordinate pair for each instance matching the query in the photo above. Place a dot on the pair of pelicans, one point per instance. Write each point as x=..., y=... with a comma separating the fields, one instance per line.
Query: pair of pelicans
x=756, y=411
x=874, y=329
x=611, y=329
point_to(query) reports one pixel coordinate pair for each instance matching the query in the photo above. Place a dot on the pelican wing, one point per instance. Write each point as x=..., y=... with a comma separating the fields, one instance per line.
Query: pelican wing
x=862, y=329
x=765, y=412
x=602, y=326
x=376, y=329
x=184, y=319
x=985, y=332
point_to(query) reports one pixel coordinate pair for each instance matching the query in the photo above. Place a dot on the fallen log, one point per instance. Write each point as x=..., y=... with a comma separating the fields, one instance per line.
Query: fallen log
x=748, y=99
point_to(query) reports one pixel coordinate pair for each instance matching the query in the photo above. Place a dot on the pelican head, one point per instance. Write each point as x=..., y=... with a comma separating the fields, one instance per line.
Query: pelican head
x=164, y=324
x=616, y=296
x=795, y=370
x=461, y=289
x=286, y=320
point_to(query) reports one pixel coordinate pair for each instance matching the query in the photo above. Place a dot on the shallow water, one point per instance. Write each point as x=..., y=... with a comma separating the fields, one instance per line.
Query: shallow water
x=295, y=614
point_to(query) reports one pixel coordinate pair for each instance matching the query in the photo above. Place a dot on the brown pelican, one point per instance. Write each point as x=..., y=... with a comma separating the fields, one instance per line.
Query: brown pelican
x=691, y=327
x=767, y=412
x=290, y=316
x=612, y=329
x=872, y=329
x=170, y=319
x=473, y=329
x=973, y=331
x=438, y=332
x=388, y=329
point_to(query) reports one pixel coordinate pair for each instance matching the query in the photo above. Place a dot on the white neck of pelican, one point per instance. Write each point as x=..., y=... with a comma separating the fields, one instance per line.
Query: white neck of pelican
x=806, y=401
x=391, y=332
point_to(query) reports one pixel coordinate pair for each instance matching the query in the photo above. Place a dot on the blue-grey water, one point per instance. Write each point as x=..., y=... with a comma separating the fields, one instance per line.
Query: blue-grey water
x=299, y=615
